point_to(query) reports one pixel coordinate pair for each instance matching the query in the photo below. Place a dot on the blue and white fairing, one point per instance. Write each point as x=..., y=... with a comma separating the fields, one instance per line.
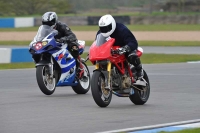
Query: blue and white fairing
x=44, y=42
x=68, y=67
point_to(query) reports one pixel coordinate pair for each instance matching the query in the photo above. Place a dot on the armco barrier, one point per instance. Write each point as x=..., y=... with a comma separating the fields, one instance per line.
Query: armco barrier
x=16, y=22
x=7, y=23
x=15, y=55
x=93, y=20
x=24, y=22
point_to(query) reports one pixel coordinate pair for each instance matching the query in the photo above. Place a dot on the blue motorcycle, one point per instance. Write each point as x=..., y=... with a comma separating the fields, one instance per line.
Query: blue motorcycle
x=55, y=66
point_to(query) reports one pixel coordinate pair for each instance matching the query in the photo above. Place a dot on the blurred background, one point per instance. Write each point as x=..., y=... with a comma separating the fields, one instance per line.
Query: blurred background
x=83, y=12
x=155, y=24
x=81, y=7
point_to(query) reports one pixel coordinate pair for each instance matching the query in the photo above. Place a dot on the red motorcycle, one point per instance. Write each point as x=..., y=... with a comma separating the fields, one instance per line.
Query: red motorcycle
x=114, y=75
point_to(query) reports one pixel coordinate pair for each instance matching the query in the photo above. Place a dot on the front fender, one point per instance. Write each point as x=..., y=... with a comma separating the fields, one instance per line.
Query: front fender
x=43, y=63
x=105, y=73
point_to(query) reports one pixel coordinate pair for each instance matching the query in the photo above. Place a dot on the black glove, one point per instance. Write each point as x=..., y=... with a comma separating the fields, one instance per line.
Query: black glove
x=63, y=39
x=124, y=49
x=74, y=46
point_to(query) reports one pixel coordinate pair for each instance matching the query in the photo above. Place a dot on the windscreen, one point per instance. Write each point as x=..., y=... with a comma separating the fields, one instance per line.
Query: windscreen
x=43, y=31
x=100, y=40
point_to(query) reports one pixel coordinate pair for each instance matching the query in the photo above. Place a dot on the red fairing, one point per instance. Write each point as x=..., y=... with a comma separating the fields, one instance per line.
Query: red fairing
x=101, y=52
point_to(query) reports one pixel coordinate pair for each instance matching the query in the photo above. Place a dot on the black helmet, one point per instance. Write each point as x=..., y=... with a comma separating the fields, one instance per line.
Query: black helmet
x=49, y=18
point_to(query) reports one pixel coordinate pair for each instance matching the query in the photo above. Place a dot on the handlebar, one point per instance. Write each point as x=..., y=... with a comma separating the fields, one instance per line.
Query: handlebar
x=118, y=51
x=114, y=51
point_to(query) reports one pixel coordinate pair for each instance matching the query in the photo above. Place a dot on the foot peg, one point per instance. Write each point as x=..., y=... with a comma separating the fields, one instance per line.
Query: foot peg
x=140, y=82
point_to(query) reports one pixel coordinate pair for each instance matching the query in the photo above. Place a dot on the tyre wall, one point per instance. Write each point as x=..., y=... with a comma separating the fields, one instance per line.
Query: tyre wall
x=15, y=55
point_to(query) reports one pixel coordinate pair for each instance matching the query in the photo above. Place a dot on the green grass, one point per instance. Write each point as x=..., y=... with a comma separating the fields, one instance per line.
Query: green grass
x=146, y=59
x=16, y=65
x=141, y=43
x=15, y=43
x=157, y=27
x=196, y=130
x=169, y=43
x=19, y=29
x=161, y=43
x=168, y=58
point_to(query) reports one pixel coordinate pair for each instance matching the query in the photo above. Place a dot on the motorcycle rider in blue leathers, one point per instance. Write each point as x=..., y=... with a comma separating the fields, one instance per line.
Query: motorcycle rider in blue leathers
x=123, y=38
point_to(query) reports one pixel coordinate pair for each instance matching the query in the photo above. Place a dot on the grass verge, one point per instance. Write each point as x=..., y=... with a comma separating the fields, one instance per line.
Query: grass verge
x=196, y=130
x=146, y=59
x=141, y=43
x=155, y=27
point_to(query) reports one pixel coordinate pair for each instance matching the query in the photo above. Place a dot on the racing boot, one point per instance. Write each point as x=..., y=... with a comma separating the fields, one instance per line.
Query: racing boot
x=139, y=72
x=80, y=70
x=138, y=68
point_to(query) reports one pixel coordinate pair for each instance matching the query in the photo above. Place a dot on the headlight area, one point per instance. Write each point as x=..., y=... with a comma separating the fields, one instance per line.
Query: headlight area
x=49, y=47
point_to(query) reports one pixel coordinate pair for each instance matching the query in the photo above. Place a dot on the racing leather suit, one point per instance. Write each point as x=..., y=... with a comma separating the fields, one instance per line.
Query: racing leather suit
x=125, y=39
x=66, y=35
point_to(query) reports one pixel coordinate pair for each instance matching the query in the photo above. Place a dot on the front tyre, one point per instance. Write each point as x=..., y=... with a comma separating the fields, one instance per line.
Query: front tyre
x=141, y=96
x=101, y=96
x=83, y=86
x=46, y=83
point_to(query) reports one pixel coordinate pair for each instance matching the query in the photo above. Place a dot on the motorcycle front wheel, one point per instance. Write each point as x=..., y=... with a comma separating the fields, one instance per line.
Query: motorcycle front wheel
x=46, y=83
x=101, y=96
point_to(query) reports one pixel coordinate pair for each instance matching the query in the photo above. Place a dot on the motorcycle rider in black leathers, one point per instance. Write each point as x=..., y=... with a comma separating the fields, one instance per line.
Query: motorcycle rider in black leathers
x=65, y=35
x=123, y=38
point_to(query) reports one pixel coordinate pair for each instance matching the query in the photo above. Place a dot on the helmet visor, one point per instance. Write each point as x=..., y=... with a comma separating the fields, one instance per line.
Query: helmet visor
x=106, y=29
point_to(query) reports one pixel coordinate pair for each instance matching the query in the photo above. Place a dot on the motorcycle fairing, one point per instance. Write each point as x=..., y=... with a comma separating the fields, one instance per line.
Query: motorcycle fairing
x=61, y=55
x=101, y=52
x=68, y=67
x=50, y=41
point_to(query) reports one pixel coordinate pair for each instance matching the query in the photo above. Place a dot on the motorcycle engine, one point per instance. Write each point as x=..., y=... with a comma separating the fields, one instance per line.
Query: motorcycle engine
x=120, y=81
x=116, y=78
x=126, y=81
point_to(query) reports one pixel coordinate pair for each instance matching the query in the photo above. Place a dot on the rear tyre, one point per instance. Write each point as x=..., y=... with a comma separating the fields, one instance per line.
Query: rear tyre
x=101, y=96
x=141, y=97
x=83, y=87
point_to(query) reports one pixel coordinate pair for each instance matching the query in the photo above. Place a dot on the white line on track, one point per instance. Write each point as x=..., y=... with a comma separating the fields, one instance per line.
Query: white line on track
x=152, y=126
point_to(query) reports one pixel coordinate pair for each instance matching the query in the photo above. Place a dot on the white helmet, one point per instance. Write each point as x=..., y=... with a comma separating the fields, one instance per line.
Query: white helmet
x=50, y=19
x=107, y=25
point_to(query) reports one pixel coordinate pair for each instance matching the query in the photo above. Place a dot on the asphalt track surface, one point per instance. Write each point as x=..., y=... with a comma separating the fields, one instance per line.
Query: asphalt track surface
x=24, y=108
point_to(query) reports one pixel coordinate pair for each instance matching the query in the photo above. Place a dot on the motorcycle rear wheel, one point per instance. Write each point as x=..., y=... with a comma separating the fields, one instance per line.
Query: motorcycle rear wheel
x=141, y=97
x=101, y=96
x=83, y=87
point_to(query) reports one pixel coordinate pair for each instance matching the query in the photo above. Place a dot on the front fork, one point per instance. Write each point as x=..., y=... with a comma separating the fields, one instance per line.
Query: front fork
x=106, y=74
x=50, y=68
